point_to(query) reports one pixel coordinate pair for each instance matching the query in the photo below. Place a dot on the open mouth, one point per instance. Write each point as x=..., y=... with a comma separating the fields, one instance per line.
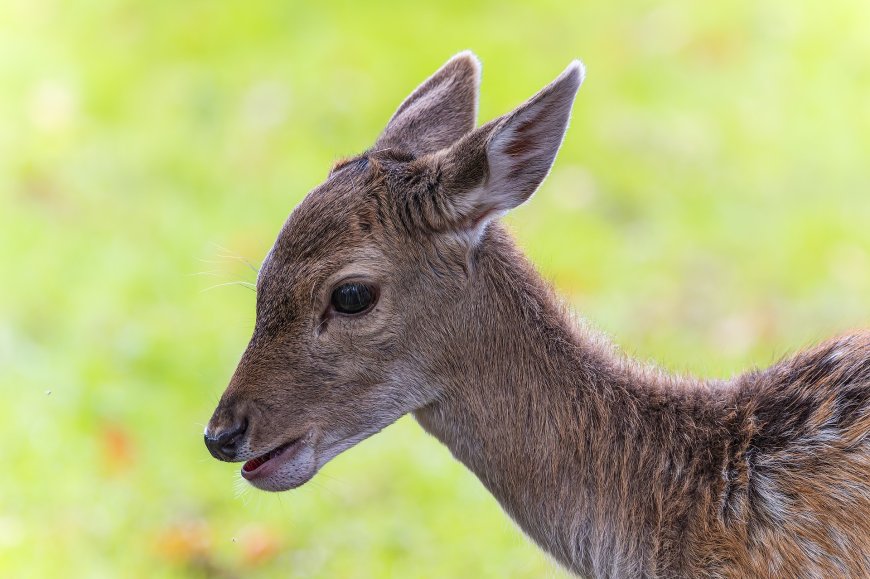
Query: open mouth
x=272, y=459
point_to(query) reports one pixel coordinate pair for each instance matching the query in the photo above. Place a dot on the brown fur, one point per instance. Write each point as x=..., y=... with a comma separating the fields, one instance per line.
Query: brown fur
x=614, y=468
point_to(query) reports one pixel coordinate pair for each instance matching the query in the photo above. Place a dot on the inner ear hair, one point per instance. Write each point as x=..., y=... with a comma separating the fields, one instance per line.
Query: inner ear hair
x=499, y=166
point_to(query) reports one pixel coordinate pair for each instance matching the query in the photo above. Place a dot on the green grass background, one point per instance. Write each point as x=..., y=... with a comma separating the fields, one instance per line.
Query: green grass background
x=710, y=210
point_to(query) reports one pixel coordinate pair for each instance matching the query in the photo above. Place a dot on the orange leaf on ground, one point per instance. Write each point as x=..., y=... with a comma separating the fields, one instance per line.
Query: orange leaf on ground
x=259, y=544
x=118, y=448
x=185, y=542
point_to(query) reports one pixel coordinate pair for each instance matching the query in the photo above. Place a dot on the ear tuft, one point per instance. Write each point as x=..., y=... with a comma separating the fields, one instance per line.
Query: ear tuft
x=439, y=112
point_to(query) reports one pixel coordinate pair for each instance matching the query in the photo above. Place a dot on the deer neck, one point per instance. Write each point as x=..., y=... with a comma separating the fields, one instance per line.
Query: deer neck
x=535, y=406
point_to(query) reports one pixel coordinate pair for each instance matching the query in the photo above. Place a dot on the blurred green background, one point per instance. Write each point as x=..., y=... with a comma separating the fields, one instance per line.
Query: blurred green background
x=710, y=209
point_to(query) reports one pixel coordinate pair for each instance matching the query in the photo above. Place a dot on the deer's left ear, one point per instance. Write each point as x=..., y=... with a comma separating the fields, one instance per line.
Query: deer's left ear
x=500, y=165
x=439, y=112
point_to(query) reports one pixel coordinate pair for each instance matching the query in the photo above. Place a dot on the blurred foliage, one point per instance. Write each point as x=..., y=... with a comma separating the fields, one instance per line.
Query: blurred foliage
x=709, y=210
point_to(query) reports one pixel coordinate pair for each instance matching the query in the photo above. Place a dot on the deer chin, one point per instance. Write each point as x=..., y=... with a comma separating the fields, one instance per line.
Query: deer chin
x=285, y=467
x=294, y=463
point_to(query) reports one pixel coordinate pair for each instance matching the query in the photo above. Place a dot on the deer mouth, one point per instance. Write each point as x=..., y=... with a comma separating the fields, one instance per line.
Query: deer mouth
x=268, y=463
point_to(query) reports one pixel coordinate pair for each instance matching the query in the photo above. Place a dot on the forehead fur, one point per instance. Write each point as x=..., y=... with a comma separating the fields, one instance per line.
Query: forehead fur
x=322, y=222
x=371, y=202
x=358, y=196
x=332, y=221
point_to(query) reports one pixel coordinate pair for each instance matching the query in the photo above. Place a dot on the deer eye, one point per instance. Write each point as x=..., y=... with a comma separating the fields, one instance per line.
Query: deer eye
x=353, y=298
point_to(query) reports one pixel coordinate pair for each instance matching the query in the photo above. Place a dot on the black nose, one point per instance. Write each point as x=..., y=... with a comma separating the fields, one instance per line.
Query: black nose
x=224, y=444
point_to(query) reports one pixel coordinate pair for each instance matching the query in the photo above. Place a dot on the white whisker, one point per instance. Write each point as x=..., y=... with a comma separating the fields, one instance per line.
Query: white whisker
x=246, y=284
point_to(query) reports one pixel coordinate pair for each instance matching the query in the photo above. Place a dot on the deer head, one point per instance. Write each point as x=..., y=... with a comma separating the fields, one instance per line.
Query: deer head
x=353, y=299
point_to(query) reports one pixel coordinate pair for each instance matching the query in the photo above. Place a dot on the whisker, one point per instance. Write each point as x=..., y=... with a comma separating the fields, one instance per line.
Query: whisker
x=221, y=261
x=339, y=481
x=252, y=266
x=241, y=489
x=319, y=325
x=318, y=484
x=246, y=284
x=243, y=260
x=231, y=255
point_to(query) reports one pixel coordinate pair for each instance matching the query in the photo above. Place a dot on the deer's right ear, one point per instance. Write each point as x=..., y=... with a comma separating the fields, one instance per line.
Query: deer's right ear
x=500, y=165
x=439, y=112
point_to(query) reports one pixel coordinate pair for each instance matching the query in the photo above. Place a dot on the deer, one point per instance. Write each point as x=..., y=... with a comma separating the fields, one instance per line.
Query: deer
x=394, y=288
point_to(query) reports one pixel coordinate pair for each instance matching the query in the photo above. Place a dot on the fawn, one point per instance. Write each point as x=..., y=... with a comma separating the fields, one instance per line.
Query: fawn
x=393, y=288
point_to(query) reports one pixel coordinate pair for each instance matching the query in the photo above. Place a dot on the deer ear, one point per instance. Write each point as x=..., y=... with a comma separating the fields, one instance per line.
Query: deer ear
x=500, y=165
x=439, y=112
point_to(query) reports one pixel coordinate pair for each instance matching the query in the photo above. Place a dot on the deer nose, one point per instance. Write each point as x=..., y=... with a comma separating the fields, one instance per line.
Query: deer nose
x=223, y=444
